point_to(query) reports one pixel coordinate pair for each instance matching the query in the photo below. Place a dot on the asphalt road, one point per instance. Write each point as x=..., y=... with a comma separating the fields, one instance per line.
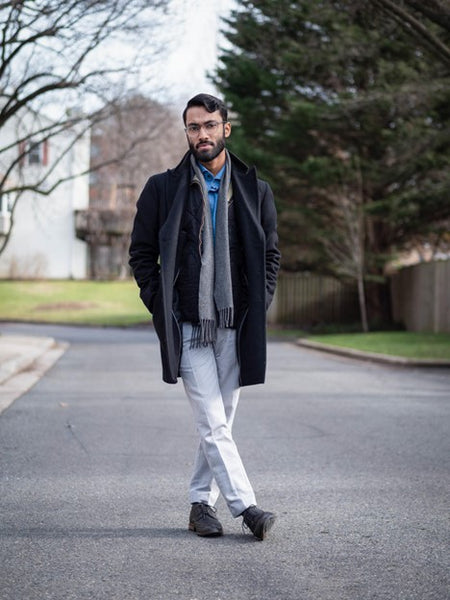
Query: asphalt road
x=96, y=458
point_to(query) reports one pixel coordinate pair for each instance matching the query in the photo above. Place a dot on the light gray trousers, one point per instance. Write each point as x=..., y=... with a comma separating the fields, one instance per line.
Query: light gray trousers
x=210, y=376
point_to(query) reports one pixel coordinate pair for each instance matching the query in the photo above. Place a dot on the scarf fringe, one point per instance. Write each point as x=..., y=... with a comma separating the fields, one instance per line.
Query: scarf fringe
x=226, y=317
x=203, y=334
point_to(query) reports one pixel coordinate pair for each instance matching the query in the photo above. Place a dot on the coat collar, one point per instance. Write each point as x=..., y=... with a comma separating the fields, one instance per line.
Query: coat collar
x=237, y=166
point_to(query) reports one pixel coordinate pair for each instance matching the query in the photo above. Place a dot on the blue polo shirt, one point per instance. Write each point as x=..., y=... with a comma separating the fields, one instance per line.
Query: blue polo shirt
x=212, y=185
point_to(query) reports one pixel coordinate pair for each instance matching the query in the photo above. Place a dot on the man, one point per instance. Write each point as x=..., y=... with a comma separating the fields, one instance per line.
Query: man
x=204, y=254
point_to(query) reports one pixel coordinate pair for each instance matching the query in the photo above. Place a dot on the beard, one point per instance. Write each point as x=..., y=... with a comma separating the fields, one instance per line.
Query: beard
x=210, y=153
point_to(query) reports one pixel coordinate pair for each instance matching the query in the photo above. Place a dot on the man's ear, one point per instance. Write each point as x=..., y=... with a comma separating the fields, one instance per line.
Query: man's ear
x=227, y=129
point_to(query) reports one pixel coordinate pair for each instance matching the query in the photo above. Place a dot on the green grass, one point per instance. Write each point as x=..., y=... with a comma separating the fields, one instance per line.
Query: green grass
x=407, y=344
x=79, y=302
x=117, y=303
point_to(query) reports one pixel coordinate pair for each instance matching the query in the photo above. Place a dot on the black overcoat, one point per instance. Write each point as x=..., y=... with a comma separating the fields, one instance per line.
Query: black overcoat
x=154, y=259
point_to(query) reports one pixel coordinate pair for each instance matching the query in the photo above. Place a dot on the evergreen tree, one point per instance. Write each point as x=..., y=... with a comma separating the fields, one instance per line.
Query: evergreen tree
x=347, y=115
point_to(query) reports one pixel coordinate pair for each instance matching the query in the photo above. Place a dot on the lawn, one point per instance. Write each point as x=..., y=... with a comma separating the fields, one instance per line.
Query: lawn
x=79, y=302
x=117, y=303
x=407, y=344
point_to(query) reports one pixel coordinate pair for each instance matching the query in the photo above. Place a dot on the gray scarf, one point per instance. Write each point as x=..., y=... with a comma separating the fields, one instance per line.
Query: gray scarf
x=215, y=297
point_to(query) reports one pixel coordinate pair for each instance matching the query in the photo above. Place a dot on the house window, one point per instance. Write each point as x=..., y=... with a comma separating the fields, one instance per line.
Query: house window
x=5, y=214
x=5, y=204
x=34, y=153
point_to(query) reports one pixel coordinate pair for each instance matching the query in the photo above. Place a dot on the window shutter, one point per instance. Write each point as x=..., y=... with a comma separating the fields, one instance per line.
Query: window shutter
x=45, y=153
x=22, y=149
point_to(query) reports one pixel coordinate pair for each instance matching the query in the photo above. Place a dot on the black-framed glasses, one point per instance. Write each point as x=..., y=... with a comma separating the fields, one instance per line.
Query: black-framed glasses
x=210, y=127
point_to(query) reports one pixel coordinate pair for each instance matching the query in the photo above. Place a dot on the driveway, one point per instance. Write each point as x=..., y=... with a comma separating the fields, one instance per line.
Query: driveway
x=96, y=459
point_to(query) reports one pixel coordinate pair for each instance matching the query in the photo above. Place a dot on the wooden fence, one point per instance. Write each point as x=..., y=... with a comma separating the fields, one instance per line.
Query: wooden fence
x=421, y=297
x=305, y=300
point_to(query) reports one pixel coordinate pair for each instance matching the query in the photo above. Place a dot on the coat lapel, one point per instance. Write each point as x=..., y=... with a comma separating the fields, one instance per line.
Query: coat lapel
x=247, y=211
x=169, y=235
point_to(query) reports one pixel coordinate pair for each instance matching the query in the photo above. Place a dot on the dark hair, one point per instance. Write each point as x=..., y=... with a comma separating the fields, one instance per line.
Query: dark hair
x=211, y=103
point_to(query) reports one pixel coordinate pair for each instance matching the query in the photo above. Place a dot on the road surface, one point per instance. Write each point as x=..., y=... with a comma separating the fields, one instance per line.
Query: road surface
x=96, y=459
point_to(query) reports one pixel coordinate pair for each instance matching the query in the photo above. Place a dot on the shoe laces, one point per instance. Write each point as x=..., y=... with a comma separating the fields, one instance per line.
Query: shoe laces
x=207, y=510
x=249, y=516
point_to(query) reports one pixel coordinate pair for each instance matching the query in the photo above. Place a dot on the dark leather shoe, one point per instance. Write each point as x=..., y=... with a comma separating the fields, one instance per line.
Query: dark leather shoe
x=203, y=520
x=258, y=521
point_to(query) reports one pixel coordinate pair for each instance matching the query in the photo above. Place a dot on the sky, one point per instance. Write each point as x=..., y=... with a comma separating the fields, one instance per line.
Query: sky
x=191, y=50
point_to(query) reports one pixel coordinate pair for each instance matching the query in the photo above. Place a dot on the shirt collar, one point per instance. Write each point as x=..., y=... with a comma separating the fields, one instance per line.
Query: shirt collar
x=218, y=175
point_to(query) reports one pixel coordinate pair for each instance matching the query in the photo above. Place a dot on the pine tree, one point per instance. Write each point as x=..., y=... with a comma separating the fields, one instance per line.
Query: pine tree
x=347, y=115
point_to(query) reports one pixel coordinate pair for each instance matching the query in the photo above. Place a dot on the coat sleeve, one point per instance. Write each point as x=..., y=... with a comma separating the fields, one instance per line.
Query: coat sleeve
x=269, y=225
x=144, y=248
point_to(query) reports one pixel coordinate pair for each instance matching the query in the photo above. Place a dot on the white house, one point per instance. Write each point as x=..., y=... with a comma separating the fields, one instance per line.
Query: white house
x=42, y=241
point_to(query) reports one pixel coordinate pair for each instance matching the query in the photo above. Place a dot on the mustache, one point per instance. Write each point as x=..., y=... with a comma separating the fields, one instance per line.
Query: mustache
x=203, y=144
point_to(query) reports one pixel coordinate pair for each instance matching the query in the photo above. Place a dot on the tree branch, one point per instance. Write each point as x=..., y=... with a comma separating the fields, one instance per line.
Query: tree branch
x=409, y=22
x=434, y=10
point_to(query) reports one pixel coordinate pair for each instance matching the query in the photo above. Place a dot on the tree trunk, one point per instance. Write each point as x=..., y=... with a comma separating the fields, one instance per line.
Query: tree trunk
x=362, y=304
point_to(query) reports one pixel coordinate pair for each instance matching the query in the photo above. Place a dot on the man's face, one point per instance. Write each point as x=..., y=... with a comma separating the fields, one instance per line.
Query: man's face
x=208, y=142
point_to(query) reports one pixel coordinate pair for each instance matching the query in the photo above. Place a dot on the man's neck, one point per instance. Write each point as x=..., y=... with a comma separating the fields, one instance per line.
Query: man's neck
x=215, y=164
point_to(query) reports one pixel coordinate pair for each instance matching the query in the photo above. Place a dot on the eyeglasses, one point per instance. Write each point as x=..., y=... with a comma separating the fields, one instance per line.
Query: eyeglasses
x=210, y=127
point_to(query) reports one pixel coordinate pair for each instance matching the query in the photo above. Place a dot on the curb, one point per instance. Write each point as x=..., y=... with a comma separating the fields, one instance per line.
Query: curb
x=23, y=361
x=17, y=353
x=374, y=356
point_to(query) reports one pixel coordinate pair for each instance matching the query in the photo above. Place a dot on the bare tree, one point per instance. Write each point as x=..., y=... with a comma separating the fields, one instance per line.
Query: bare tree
x=148, y=134
x=61, y=64
x=346, y=246
x=150, y=137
